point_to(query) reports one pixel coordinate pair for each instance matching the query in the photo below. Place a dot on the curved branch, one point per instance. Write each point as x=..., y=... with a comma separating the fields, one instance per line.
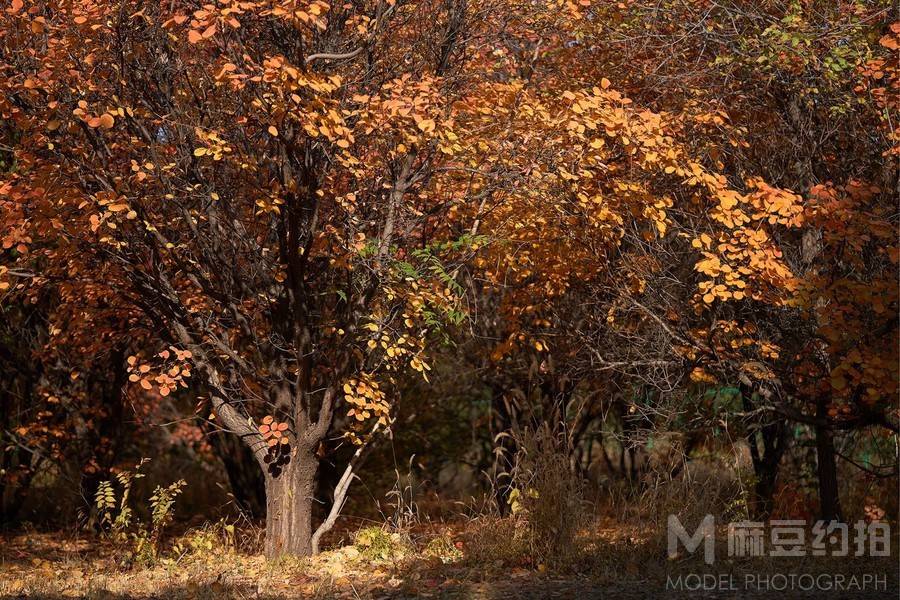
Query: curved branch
x=330, y=56
x=340, y=491
x=382, y=15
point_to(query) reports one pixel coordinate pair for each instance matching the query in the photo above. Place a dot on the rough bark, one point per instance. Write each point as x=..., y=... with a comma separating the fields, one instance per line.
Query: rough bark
x=289, y=507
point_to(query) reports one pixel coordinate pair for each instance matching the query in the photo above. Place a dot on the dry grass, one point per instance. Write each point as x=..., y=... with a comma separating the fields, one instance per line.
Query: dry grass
x=702, y=488
x=547, y=506
x=615, y=558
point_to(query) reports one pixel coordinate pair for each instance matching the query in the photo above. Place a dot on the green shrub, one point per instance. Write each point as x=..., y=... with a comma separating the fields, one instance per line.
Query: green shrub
x=444, y=549
x=375, y=543
x=116, y=514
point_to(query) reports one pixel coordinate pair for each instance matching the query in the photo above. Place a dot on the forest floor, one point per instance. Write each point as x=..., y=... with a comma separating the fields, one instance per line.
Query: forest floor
x=619, y=562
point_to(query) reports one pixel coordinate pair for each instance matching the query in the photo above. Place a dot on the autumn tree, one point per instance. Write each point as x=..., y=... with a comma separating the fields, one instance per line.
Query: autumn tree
x=810, y=107
x=678, y=247
x=248, y=183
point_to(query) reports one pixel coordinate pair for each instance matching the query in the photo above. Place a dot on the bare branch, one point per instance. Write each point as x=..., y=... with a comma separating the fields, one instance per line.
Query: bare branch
x=340, y=491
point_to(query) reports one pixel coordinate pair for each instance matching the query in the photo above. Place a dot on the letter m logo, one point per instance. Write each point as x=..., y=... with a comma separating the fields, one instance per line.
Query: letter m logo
x=706, y=533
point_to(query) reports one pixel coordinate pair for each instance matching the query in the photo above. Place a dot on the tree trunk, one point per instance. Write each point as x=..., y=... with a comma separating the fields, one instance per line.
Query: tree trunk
x=826, y=468
x=767, y=439
x=289, y=506
x=764, y=490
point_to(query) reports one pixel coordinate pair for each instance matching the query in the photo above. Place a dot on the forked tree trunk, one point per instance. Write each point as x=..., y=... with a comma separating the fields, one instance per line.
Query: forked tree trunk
x=289, y=507
x=767, y=438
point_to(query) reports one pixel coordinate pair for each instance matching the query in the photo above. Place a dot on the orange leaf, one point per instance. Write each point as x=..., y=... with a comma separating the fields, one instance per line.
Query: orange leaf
x=889, y=42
